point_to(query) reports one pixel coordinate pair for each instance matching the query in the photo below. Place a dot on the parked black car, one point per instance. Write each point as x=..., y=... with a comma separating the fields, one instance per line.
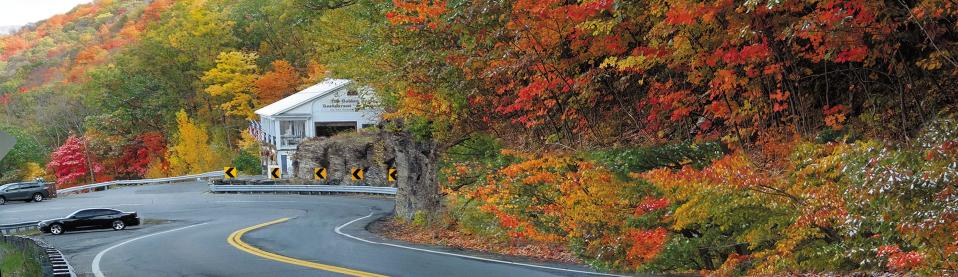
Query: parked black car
x=27, y=191
x=90, y=219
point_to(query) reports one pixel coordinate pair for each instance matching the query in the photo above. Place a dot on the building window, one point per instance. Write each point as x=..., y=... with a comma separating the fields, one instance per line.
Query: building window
x=328, y=129
x=292, y=132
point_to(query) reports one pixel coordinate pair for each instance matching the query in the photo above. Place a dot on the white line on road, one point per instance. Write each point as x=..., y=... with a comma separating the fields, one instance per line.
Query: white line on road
x=339, y=231
x=255, y=201
x=99, y=256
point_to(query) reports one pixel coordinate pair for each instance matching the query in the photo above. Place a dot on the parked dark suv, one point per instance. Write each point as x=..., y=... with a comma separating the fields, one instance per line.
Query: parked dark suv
x=27, y=191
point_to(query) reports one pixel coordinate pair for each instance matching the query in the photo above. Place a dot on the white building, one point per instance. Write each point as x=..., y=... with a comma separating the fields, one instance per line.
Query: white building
x=332, y=106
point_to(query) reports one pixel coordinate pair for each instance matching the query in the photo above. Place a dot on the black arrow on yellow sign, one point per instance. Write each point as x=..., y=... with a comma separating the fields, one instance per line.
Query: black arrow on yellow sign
x=319, y=173
x=274, y=173
x=358, y=174
x=229, y=172
x=392, y=174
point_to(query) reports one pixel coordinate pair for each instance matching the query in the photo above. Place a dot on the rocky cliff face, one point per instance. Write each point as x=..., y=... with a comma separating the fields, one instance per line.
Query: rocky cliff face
x=375, y=152
x=340, y=154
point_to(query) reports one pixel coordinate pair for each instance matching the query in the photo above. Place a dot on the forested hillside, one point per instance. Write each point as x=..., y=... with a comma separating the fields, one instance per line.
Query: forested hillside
x=726, y=137
x=115, y=74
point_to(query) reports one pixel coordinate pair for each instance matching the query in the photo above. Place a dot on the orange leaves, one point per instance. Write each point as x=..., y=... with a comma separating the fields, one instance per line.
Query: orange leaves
x=686, y=13
x=417, y=13
x=552, y=197
x=835, y=116
x=725, y=82
x=646, y=244
x=680, y=16
x=12, y=45
x=779, y=100
x=279, y=82
x=89, y=55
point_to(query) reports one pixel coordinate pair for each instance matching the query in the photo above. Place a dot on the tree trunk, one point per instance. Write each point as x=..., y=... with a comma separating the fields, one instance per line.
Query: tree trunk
x=416, y=166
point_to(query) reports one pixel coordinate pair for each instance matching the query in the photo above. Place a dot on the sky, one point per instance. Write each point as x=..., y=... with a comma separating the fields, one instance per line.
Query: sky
x=21, y=12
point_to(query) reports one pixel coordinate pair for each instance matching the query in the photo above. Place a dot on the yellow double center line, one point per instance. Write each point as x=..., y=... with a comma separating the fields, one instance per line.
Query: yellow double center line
x=235, y=239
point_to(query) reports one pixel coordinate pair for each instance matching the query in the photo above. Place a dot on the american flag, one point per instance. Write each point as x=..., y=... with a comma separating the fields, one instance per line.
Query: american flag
x=255, y=130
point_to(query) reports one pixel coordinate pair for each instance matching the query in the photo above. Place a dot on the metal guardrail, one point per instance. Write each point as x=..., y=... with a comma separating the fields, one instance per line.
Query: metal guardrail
x=141, y=181
x=7, y=229
x=302, y=188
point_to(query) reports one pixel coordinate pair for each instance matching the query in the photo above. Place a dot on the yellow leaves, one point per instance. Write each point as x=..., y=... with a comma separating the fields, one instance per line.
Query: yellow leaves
x=191, y=151
x=933, y=62
x=32, y=171
x=234, y=77
x=633, y=63
x=598, y=27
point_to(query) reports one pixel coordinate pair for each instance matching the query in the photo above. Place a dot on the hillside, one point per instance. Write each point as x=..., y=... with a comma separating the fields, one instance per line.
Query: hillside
x=117, y=72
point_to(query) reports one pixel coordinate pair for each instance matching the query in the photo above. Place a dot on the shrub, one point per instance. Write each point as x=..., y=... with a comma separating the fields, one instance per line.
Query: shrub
x=247, y=163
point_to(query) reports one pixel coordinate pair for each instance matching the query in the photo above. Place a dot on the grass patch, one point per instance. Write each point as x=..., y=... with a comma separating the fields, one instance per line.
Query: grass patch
x=14, y=262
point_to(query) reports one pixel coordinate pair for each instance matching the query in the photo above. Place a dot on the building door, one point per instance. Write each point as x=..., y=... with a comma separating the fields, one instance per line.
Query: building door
x=282, y=164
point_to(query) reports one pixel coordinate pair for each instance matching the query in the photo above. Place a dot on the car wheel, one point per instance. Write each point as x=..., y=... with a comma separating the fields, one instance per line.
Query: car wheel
x=118, y=225
x=3, y=200
x=56, y=229
x=37, y=197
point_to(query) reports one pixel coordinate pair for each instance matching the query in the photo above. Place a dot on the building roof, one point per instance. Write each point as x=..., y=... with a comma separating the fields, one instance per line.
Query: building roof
x=305, y=96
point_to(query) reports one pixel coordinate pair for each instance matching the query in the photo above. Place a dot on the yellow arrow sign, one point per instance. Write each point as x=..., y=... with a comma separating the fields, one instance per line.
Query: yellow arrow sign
x=275, y=173
x=358, y=174
x=392, y=175
x=319, y=173
x=229, y=172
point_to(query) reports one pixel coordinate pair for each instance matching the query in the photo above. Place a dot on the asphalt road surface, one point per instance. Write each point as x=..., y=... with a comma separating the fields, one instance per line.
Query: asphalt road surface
x=186, y=229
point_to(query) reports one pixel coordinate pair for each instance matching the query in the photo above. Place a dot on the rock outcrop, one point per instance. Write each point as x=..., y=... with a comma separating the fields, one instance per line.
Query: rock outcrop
x=342, y=153
x=415, y=159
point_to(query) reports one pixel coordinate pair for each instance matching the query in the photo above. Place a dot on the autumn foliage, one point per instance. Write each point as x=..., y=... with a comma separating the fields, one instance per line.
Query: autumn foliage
x=71, y=163
x=277, y=83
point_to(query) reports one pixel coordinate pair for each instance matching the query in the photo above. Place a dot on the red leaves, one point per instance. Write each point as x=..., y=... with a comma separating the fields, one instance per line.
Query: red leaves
x=751, y=53
x=856, y=54
x=71, y=163
x=898, y=260
x=138, y=155
x=650, y=204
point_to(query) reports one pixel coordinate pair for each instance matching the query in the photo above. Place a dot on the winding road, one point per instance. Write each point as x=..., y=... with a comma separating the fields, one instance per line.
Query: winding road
x=190, y=232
